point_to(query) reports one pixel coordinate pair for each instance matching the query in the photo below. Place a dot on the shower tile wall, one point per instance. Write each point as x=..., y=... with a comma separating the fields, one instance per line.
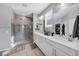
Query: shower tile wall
x=22, y=31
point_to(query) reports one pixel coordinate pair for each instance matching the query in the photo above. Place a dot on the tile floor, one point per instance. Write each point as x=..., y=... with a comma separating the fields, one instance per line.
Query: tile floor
x=29, y=51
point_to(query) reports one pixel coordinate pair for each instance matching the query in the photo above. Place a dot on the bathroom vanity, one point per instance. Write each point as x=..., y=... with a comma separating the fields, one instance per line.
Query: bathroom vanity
x=56, y=45
x=62, y=25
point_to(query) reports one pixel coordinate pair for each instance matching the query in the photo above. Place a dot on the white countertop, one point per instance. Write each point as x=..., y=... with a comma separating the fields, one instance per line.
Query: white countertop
x=60, y=39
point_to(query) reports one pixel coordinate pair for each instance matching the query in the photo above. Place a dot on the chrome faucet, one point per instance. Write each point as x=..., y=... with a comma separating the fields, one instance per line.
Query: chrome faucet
x=70, y=38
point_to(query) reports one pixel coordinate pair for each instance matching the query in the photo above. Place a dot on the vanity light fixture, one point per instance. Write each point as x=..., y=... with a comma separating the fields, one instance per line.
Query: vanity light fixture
x=62, y=4
x=41, y=17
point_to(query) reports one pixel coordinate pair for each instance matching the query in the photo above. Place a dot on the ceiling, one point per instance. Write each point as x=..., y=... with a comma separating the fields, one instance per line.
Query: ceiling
x=26, y=9
x=70, y=11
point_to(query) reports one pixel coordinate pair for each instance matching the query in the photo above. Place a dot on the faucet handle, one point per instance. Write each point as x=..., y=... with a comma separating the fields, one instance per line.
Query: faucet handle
x=70, y=38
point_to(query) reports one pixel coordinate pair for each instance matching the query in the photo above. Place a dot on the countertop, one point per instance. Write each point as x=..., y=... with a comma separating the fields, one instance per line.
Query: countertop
x=60, y=39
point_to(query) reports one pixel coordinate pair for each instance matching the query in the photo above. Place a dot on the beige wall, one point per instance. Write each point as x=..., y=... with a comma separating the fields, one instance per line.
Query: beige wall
x=22, y=20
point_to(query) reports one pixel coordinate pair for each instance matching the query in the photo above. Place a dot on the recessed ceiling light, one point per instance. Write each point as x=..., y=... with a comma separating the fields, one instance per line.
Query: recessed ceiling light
x=62, y=4
x=25, y=5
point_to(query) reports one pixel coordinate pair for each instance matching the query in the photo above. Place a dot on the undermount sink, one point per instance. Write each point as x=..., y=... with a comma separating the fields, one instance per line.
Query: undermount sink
x=62, y=38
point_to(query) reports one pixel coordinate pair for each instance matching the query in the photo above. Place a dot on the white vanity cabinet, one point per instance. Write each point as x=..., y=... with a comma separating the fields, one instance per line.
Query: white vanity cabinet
x=43, y=45
x=55, y=50
x=50, y=50
x=62, y=50
x=54, y=47
x=35, y=37
x=40, y=41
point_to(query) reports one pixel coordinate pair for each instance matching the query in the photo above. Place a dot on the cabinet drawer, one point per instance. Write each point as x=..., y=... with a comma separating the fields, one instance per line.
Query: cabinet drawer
x=67, y=50
x=60, y=53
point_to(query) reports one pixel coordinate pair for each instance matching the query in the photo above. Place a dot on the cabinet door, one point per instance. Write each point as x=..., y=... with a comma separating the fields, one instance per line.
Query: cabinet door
x=42, y=44
x=34, y=37
x=47, y=49
x=60, y=53
x=50, y=49
x=77, y=53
